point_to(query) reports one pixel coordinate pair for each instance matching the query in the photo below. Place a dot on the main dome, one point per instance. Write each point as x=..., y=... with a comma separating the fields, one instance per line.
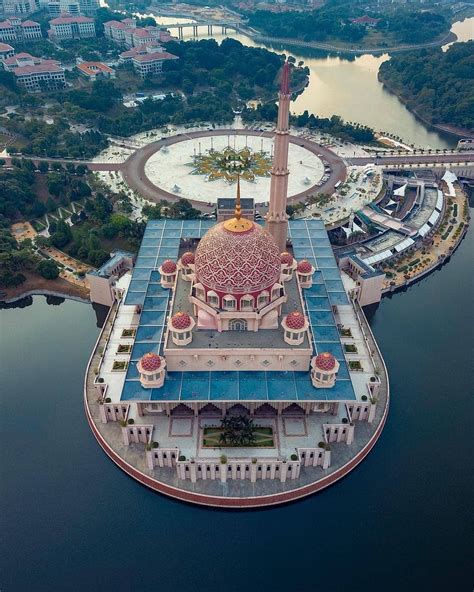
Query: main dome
x=237, y=262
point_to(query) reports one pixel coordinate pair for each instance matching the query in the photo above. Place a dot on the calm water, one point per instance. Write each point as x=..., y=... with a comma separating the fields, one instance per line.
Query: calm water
x=71, y=520
x=349, y=87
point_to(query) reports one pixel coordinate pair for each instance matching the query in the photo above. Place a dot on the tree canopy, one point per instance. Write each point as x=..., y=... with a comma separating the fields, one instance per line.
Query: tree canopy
x=438, y=85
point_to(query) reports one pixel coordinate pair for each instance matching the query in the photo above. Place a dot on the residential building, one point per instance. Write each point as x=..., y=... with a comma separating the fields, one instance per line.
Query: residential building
x=35, y=73
x=147, y=59
x=18, y=7
x=6, y=51
x=127, y=33
x=14, y=29
x=95, y=70
x=71, y=27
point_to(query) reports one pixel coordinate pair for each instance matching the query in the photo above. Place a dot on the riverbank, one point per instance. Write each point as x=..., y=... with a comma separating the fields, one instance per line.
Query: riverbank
x=37, y=285
x=445, y=128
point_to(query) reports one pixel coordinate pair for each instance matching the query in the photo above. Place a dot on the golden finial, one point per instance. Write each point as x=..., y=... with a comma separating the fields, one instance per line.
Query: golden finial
x=237, y=223
x=238, y=209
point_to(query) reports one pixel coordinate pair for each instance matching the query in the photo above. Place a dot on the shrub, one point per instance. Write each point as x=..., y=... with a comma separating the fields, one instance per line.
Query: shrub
x=327, y=447
x=321, y=444
x=364, y=398
x=181, y=457
x=344, y=420
x=100, y=379
x=108, y=400
x=131, y=421
x=294, y=457
x=48, y=269
x=223, y=459
x=155, y=444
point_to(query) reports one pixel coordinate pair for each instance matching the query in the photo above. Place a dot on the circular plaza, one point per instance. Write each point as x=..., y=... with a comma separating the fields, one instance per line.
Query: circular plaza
x=192, y=166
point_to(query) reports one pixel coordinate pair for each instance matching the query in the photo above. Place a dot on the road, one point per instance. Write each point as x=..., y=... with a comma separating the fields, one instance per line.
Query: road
x=133, y=170
x=456, y=157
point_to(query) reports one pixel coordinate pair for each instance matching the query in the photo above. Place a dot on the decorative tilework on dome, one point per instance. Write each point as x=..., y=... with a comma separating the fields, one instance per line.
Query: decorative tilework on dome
x=325, y=361
x=286, y=258
x=150, y=362
x=295, y=320
x=168, y=266
x=187, y=258
x=304, y=266
x=181, y=320
x=237, y=263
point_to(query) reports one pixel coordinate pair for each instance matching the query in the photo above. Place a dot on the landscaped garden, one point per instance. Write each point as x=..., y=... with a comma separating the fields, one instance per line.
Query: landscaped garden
x=238, y=432
x=119, y=366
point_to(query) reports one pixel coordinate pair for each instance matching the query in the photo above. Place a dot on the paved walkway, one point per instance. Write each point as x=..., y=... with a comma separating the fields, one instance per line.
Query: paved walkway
x=133, y=170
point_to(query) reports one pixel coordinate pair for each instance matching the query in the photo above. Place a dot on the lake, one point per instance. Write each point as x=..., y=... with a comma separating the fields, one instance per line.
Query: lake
x=71, y=520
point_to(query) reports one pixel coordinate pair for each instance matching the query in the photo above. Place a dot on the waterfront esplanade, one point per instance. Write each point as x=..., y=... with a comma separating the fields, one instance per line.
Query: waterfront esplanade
x=301, y=362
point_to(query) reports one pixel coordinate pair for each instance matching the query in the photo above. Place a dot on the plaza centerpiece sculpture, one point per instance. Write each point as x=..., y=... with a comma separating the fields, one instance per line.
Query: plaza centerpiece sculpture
x=230, y=163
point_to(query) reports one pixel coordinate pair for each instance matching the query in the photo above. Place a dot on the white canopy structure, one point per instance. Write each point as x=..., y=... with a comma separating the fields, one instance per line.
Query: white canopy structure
x=400, y=191
x=449, y=178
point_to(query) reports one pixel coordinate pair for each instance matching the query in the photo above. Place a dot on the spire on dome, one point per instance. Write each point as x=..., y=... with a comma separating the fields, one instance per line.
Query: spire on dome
x=285, y=79
x=237, y=223
x=238, y=208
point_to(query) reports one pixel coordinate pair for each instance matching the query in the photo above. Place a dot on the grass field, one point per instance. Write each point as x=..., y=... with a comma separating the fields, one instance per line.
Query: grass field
x=263, y=438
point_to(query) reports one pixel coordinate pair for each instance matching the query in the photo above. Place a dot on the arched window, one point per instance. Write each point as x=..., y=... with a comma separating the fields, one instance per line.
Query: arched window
x=263, y=299
x=229, y=302
x=212, y=298
x=246, y=302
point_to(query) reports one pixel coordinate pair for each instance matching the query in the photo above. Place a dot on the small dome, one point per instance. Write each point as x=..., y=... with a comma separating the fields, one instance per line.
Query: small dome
x=286, y=258
x=325, y=361
x=187, y=258
x=168, y=266
x=150, y=362
x=304, y=266
x=295, y=320
x=181, y=320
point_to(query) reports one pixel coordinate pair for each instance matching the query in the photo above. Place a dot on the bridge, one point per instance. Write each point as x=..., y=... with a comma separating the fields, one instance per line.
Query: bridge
x=224, y=25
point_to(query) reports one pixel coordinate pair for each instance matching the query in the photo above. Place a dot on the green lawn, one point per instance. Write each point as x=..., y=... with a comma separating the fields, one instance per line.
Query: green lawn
x=263, y=438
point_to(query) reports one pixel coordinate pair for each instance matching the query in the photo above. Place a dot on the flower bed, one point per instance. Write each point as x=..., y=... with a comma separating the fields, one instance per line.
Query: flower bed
x=124, y=348
x=355, y=366
x=263, y=438
x=119, y=366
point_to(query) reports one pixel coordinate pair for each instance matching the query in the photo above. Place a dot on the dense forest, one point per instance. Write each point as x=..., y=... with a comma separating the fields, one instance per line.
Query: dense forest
x=332, y=22
x=438, y=85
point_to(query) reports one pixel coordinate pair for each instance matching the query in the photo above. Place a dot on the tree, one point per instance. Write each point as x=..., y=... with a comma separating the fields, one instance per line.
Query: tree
x=43, y=166
x=48, y=269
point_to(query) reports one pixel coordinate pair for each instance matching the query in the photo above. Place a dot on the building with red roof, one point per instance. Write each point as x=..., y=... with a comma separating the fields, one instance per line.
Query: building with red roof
x=6, y=51
x=71, y=27
x=366, y=21
x=35, y=73
x=14, y=29
x=95, y=70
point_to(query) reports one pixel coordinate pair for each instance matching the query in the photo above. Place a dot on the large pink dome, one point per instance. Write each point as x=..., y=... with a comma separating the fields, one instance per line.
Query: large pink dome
x=240, y=262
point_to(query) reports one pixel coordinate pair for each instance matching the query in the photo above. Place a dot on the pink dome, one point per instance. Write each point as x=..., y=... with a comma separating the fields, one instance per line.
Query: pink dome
x=304, y=266
x=187, y=258
x=295, y=320
x=286, y=258
x=325, y=361
x=168, y=266
x=237, y=262
x=181, y=320
x=150, y=362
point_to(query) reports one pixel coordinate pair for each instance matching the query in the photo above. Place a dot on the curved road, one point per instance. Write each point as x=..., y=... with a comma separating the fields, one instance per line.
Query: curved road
x=133, y=170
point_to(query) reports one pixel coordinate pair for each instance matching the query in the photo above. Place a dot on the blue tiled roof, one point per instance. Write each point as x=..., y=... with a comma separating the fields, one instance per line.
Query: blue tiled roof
x=161, y=241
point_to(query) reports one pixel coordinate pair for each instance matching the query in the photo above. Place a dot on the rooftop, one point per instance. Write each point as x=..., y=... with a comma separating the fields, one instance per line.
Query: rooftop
x=105, y=270
x=161, y=241
x=92, y=68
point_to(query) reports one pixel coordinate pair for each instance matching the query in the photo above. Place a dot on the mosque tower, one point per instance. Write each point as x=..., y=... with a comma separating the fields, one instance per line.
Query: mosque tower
x=277, y=219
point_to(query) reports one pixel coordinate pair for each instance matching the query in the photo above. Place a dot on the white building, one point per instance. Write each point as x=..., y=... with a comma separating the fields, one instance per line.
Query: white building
x=147, y=60
x=6, y=51
x=127, y=33
x=71, y=27
x=34, y=73
x=14, y=29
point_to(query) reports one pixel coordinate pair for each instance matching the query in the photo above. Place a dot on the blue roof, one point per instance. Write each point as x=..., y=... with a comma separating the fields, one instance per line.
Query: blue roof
x=106, y=269
x=161, y=241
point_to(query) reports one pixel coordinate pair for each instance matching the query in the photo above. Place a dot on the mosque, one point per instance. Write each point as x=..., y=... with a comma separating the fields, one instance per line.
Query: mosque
x=237, y=319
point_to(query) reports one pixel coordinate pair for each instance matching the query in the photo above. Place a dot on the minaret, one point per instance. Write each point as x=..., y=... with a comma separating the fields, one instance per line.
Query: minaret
x=277, y=220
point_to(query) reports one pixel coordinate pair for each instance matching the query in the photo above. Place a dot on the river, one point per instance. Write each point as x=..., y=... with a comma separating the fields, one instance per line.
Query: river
x=349, y=87
x=72, y=521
